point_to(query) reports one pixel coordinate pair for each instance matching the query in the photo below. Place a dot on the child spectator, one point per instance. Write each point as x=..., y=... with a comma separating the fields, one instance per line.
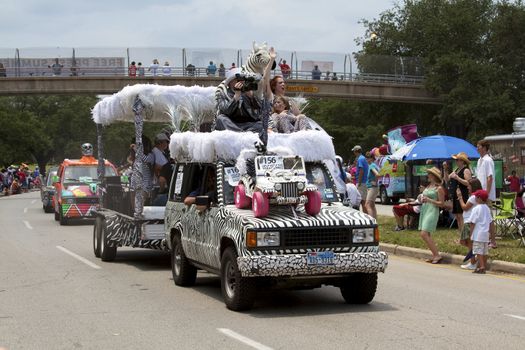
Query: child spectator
x=132, y=70
x=480, y=220
x=464, y=239
x=352, y=195
x=284, y=121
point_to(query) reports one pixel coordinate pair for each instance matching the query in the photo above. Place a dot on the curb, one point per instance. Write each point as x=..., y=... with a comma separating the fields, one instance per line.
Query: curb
x=494, y=265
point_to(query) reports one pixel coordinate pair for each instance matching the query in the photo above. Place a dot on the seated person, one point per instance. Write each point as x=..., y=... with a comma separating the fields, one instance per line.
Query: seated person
x=352, y=195
x=209, y=191
x=284, y=121
x=237, y=110
x=412, y=207
x=164, y=184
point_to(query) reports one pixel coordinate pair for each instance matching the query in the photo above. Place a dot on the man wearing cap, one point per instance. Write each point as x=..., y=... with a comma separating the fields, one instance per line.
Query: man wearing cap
x=361, y=174
x=161, y=144
x=237, y=110
x=485, y=172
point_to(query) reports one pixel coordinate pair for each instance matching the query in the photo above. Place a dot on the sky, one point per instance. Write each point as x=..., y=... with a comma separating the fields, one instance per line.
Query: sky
x=300, y=25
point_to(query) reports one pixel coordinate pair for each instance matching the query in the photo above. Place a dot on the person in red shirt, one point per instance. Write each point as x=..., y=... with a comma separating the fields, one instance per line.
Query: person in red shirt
x=132, y=70
x=514, y=182
x=285, y=68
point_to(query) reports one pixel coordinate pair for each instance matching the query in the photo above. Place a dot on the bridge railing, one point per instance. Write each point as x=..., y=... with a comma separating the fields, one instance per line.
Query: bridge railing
x=201, y=72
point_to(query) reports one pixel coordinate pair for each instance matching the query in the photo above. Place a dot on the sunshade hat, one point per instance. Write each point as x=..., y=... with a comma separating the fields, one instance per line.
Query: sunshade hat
x=436, y=172
x=461, y=156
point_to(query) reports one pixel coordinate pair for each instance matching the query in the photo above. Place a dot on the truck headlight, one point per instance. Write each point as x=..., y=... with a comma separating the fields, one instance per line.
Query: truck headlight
x=300, y=186
x=268, y=239
x=363, y=235
x=278, y=187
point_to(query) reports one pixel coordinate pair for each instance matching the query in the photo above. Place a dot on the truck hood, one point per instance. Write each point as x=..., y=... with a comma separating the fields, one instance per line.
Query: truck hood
x=283, y=217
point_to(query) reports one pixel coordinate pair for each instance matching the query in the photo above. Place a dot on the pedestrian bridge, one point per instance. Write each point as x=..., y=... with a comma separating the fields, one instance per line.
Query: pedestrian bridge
x=356, y=89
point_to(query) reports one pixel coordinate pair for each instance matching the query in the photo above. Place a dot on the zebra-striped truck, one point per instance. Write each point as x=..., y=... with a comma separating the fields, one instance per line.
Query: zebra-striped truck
x=286, y=248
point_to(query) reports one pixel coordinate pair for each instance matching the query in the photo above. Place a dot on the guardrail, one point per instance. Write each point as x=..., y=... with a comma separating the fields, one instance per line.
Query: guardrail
x=169, y=71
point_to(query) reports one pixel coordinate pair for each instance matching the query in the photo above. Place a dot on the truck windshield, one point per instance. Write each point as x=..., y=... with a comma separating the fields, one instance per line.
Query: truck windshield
x=83, y=173
x=316, y=173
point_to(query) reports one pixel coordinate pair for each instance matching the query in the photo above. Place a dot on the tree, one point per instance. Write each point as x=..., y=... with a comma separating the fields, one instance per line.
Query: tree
x=463, y=44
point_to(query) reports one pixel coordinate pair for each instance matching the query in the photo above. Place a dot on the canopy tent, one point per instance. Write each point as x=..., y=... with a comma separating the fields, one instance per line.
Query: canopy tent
x=434, y=147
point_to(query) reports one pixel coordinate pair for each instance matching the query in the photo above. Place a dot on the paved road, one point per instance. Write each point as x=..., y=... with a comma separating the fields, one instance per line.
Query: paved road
x=51, y=299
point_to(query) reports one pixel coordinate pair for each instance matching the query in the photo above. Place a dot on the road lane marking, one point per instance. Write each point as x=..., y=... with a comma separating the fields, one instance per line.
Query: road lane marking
x=28, y=225
x=33, y=201
x=78, y=257
x=516, y=316
x=243, y=339
x=25, y=210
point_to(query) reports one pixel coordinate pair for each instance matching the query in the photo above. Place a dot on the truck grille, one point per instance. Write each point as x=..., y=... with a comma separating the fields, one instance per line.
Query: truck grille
x=317, y=237
x=289, y=189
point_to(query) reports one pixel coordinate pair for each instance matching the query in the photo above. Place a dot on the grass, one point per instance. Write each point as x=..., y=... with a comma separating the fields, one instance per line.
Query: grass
x=445, y=238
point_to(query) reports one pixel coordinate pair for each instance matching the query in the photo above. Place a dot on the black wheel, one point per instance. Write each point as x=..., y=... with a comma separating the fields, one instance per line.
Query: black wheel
x=383, y=195
x=360, y=288
x=395, y=200
x=61, y=218
x=107, y=253
x=184, y=273
x=238, y=292
x=48, y=208
x=97, y=235
x=57, y=216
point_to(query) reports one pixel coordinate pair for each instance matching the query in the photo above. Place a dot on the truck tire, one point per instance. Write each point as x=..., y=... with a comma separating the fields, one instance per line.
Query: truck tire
x=97, y=235
x=238, y=292
x=383, y=195
x=106, y=253
x=359, y=288
x=61, y=218
x=184, y=273
x=57, y=216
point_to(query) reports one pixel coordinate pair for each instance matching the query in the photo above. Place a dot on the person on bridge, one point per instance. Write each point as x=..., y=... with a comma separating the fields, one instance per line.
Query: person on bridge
x=316, y=73
x=285, y=68
x=56, y=68
x=132, y=69
x=2, y=71
x=166, y=69
x=154, y=67
x=141, y=70
x=211, y=69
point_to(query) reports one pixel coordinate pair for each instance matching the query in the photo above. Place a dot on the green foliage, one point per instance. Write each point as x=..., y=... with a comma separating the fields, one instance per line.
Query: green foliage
x=446, y=240
x=46, y=129
x=474, y=57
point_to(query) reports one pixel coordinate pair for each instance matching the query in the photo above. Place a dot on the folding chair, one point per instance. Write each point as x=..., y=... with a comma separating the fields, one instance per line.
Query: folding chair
x=506, y=215
x=520, y=219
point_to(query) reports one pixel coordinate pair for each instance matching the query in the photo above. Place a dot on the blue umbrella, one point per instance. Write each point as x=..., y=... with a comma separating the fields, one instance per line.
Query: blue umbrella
x=435, y=147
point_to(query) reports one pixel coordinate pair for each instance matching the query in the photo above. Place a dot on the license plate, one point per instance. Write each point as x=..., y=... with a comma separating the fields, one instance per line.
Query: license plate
x=320, y=258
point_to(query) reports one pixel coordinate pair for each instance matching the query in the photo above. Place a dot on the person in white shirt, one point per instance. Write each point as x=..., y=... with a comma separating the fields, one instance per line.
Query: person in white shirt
x=464, y=239
x=480, y=220
x=486, y=174
x=353, y=197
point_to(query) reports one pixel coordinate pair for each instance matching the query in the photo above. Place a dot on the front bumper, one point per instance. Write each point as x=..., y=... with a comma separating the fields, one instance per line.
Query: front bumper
x=296, y=264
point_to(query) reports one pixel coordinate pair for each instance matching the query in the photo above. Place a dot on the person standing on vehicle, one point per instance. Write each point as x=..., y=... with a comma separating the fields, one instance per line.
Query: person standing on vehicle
x=371, y=185
x=361, y=174
x=485, y=172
